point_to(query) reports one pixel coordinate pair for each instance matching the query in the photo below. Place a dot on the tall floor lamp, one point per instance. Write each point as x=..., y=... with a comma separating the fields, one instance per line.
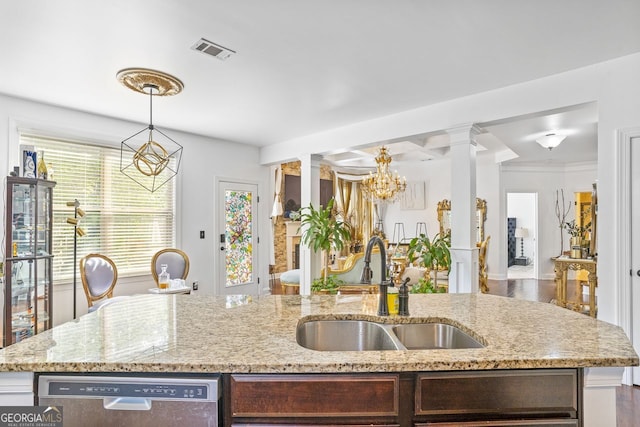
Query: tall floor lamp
x=77, y=232
x=521, y=233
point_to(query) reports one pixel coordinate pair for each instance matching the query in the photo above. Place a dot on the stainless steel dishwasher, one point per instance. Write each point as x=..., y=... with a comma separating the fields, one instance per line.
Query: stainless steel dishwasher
x=135, y=400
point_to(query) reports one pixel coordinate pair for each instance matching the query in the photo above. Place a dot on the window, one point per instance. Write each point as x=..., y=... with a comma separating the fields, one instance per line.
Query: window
x=123, y=220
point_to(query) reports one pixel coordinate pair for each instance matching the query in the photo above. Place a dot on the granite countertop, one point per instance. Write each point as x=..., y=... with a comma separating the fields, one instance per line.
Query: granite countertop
x=195, y=333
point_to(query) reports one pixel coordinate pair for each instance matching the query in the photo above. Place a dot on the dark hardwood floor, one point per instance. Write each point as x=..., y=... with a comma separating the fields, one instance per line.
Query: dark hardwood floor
x=628, y=406
x=627, y=397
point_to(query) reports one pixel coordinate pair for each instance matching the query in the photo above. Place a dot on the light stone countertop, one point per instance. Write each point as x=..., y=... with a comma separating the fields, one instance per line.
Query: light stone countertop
x=195, y=333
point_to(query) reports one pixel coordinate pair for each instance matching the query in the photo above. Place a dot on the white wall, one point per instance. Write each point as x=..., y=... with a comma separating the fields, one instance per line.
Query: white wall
x=203, y=159
x=435, y=174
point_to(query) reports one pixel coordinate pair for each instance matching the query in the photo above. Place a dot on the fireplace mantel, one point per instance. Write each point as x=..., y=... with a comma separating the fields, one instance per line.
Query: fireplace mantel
x=293, y=239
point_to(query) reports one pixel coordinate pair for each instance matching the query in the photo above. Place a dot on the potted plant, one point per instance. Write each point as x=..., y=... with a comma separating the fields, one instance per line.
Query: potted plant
x=321, y=231
x=326, y=285
x=578, y=234
x=426, y=286
x=434, y=254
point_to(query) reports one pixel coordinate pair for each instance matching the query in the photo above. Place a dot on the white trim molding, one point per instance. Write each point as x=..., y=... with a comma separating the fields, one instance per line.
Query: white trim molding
x=624, y=299
x=16, y=389
x=599, y=399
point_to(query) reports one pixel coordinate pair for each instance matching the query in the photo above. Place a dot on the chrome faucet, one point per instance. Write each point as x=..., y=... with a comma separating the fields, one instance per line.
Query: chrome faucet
x=367, y=273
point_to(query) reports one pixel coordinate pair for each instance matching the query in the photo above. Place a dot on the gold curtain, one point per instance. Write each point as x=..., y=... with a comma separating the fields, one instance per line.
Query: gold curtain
x=355, y=210
x=343, y=196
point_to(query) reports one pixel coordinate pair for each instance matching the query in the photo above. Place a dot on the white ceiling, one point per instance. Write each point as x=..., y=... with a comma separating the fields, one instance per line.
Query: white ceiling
x=307, y=66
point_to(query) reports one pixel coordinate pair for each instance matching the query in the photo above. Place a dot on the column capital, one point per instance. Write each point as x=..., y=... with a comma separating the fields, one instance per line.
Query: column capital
x=464, y=134
x=313, y=159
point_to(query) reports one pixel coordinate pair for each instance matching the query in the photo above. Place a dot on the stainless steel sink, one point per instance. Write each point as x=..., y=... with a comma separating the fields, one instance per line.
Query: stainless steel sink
x=362, y=335
x=421, y=336
x=344, y=335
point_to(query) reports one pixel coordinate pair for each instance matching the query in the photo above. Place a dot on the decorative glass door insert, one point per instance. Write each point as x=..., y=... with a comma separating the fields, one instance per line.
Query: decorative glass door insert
x=238, y=237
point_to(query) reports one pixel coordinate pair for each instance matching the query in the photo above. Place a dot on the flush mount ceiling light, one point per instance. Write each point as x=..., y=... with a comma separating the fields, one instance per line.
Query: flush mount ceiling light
x=551, y=140
x=154, y=161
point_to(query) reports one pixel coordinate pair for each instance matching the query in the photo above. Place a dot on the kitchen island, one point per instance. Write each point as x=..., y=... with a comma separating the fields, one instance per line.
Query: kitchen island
x=250, y=335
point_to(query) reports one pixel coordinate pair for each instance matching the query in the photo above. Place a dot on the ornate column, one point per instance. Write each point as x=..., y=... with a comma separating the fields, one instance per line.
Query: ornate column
x=464, y=251
x=310, y=262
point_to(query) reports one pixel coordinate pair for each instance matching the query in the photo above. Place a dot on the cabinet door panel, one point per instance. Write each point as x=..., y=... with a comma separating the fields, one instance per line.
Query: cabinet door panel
x=504, y=423
x=311, y=425
x=314, y=395
x=551, y=392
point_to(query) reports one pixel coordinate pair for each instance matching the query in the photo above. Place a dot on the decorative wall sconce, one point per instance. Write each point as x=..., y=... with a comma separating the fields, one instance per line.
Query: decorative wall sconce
x=78, y=232
x=153, y=162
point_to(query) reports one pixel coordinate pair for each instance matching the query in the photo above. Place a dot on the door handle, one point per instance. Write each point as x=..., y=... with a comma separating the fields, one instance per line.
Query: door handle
x=222, y=248
x=127, y=403
x=638, y=273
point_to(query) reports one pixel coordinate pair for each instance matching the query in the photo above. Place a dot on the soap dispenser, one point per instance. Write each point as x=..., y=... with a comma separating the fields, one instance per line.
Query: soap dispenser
x=403, y=298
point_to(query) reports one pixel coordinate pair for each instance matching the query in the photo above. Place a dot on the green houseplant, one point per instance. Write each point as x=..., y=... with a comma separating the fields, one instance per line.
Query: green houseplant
x=321, y=230
x=433, y=254
x=426, y=286
x=326, y=284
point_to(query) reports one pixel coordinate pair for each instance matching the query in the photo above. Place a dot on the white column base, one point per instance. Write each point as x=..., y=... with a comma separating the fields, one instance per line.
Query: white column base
x=463, y=277
x=599, y=400
x=16, y=389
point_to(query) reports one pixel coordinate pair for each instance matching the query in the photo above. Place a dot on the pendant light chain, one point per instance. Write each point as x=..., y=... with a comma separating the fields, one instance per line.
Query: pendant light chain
x=151, y=108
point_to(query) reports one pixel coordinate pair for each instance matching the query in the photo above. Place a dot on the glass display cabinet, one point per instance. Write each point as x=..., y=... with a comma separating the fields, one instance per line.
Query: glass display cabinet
x=28, y=264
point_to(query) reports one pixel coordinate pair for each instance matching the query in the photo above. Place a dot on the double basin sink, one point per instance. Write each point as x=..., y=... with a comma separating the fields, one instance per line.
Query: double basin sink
x=364, y=335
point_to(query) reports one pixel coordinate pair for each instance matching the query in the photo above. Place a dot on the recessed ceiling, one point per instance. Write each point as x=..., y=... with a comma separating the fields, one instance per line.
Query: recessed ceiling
x=301, y=67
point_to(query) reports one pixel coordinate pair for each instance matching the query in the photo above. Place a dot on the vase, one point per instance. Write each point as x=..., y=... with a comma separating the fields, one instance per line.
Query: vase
x=576, y=247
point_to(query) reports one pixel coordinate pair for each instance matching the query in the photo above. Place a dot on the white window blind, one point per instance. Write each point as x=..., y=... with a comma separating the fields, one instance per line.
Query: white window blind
x=123, y=220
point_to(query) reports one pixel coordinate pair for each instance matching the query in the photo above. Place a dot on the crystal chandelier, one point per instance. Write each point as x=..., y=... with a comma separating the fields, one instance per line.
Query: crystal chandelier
x=383, y=186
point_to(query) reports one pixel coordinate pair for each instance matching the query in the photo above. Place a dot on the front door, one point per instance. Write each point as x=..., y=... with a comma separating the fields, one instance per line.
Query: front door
x=635, y=249
x=237, y=238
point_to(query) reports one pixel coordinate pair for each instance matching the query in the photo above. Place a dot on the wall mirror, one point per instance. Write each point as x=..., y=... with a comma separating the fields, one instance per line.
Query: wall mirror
x=444, y=217
x=586, y=215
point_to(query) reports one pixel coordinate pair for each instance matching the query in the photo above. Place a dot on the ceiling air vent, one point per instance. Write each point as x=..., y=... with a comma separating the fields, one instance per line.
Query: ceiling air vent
x=210, y=48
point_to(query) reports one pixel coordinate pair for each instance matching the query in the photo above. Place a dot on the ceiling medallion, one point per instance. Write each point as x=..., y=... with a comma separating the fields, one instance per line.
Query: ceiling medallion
x=142, y=79
x=151, y=163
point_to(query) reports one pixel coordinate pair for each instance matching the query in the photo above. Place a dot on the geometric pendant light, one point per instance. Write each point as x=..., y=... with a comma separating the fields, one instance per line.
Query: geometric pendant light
x=150, y=158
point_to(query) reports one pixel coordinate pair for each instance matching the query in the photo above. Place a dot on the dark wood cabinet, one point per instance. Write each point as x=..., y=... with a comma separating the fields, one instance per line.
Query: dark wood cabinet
x=28, y=267
x=526, y=395
x=505, y=423
x=314, y=398
x=539, y=397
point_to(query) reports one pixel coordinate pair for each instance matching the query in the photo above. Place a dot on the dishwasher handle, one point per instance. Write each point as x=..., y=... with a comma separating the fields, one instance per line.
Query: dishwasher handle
x=127, y=403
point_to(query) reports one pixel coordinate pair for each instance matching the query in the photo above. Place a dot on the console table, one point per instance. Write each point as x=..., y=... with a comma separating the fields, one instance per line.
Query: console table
x=562, y=265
